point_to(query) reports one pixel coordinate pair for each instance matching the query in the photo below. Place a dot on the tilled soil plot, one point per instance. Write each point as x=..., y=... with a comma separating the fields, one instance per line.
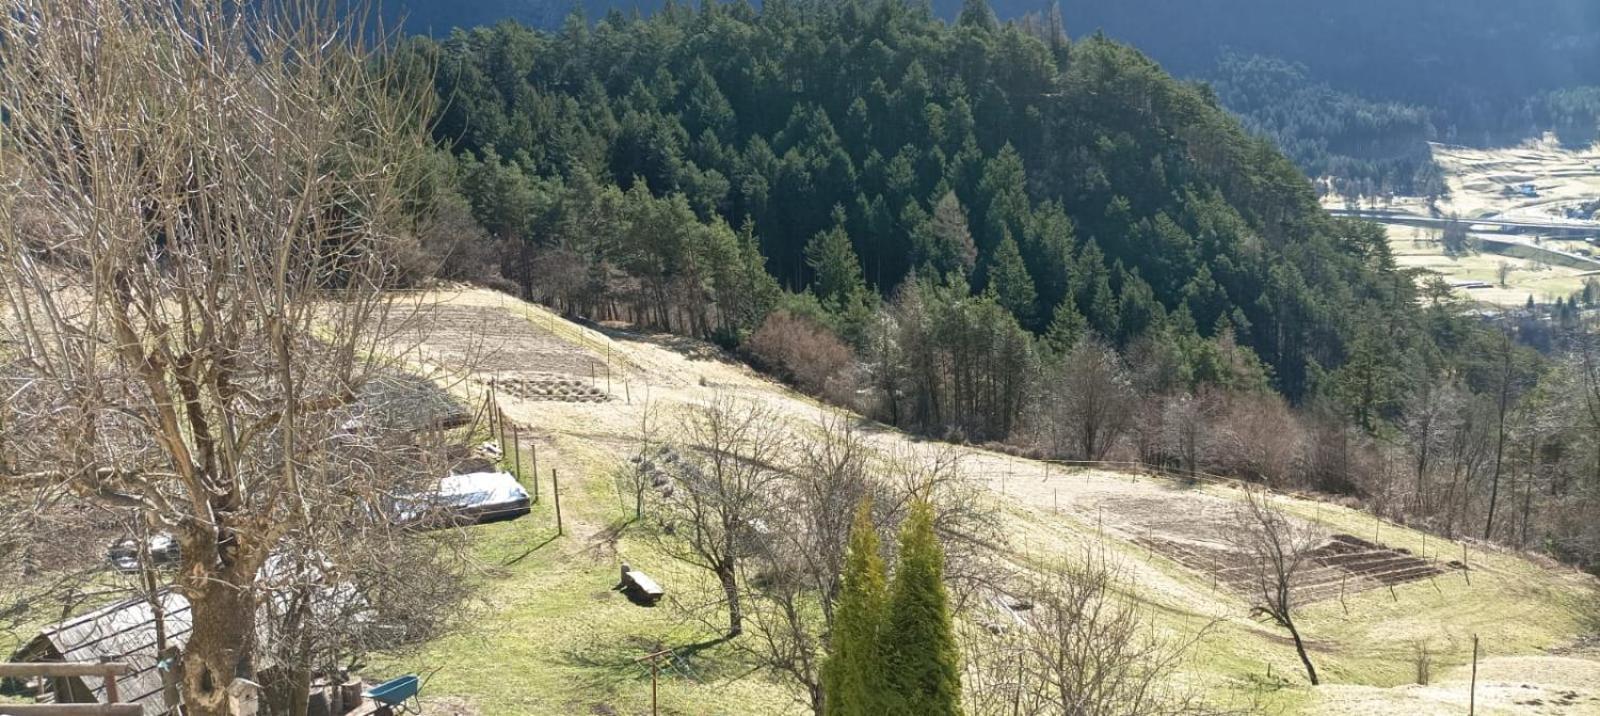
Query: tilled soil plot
x=1187, y=527
x=493, y=340
x=1344, y=564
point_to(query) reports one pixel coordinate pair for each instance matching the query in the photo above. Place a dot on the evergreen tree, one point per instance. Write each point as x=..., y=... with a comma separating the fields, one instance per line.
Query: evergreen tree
x=924, y=671
x=853, y=676
x=1138, y=310
x=943, y=242
x=977, y=13
x=1207, y=300
x=1009, y=279
x=838, y=282
x=1067, y=325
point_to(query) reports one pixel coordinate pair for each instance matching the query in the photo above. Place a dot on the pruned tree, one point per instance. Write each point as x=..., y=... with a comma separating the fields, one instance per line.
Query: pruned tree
x=796, y=590
x=203, y=204
x=1278, y=547
x=801, y=560
x=1080, y=645
x=725, y=481
x=641, y=474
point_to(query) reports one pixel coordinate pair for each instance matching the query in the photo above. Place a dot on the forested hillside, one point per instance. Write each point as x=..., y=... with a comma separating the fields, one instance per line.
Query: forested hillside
x=1368, y=148
x=1073, y=183
x=1353, y=90
x=1477, y=60
x=1475, y=72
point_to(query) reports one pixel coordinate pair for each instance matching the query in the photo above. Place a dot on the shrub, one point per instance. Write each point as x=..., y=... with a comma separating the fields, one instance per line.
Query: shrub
x=805, y=354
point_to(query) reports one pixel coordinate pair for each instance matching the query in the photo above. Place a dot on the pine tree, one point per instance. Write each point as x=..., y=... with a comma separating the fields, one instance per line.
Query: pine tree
x=944, y=240
x=1067, y=325
x=1012, y=285
x=977, y=13
x=838, y=280
x=919, y=646
x=853, y=676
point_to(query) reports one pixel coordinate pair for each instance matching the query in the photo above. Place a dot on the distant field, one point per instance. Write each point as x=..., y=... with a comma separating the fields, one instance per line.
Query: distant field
x=1486, y=184
x=1413, y=248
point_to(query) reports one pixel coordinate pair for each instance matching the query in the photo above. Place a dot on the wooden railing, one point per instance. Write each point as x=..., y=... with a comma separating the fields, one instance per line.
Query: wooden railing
x=58, y=670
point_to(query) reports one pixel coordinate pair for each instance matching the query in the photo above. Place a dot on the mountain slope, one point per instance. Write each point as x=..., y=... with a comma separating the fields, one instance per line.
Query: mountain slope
x=1131, y=198
x=552, y=640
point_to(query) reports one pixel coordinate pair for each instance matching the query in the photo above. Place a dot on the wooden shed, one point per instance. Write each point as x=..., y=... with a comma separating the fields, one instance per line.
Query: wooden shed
x=123, y=632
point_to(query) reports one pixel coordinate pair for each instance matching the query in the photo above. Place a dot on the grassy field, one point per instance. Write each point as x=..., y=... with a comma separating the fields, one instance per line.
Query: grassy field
x=1414, y=248
x=1481, y=186
x=549, y=636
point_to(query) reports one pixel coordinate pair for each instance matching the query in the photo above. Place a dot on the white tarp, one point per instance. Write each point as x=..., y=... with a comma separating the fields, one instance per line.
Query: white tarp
x=485, y=495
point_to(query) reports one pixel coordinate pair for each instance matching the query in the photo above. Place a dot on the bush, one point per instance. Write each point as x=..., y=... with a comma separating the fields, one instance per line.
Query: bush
x=805, y=354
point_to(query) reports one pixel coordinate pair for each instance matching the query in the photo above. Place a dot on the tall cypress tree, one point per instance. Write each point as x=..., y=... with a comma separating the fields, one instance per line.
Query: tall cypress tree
x=853, y=677
x=919, y=644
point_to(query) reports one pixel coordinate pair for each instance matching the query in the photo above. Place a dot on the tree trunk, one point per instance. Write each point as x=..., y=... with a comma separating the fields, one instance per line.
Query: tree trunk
x=219, y=647
x=299, y=691
x=1500, y=443
x=730, y=589
x=1300, y=646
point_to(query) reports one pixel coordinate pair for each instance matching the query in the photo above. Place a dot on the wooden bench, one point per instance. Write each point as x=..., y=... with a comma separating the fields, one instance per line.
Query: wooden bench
x=640, y=585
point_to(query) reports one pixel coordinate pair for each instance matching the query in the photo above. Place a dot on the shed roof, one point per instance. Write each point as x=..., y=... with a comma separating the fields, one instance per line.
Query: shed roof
x=125, y=632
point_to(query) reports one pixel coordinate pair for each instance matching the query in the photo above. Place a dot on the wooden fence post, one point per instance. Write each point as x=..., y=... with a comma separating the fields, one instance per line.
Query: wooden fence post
x=534, y=448
x=1472, y=697
x=555, y=489
x=516, y=451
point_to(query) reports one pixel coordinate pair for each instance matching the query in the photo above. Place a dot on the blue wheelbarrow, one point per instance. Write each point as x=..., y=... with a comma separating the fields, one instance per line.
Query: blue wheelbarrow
x=399, y=694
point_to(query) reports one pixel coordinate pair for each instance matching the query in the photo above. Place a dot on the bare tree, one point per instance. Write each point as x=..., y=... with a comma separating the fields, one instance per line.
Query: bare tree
x=1090, y=401
x=798, y=570
x=1278, y=547
x=642, y=472
x=201, y=205
x=725, y=479
x=1259, y=438
x=1079, y=646
x=832, y=470
x=1190, y=423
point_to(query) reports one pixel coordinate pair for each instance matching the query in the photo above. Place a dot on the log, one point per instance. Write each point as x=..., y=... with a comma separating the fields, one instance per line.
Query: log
x=352, y=694
x=71, y=710
x=62, y=669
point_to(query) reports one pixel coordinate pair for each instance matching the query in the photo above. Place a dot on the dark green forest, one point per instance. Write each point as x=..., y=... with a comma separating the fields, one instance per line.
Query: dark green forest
x=955, y=152
x=1349, y=90
x=1367, y=148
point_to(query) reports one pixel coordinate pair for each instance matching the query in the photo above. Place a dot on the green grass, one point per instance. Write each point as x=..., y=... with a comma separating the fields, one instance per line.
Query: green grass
x=1514, y=605
x=549, y=635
